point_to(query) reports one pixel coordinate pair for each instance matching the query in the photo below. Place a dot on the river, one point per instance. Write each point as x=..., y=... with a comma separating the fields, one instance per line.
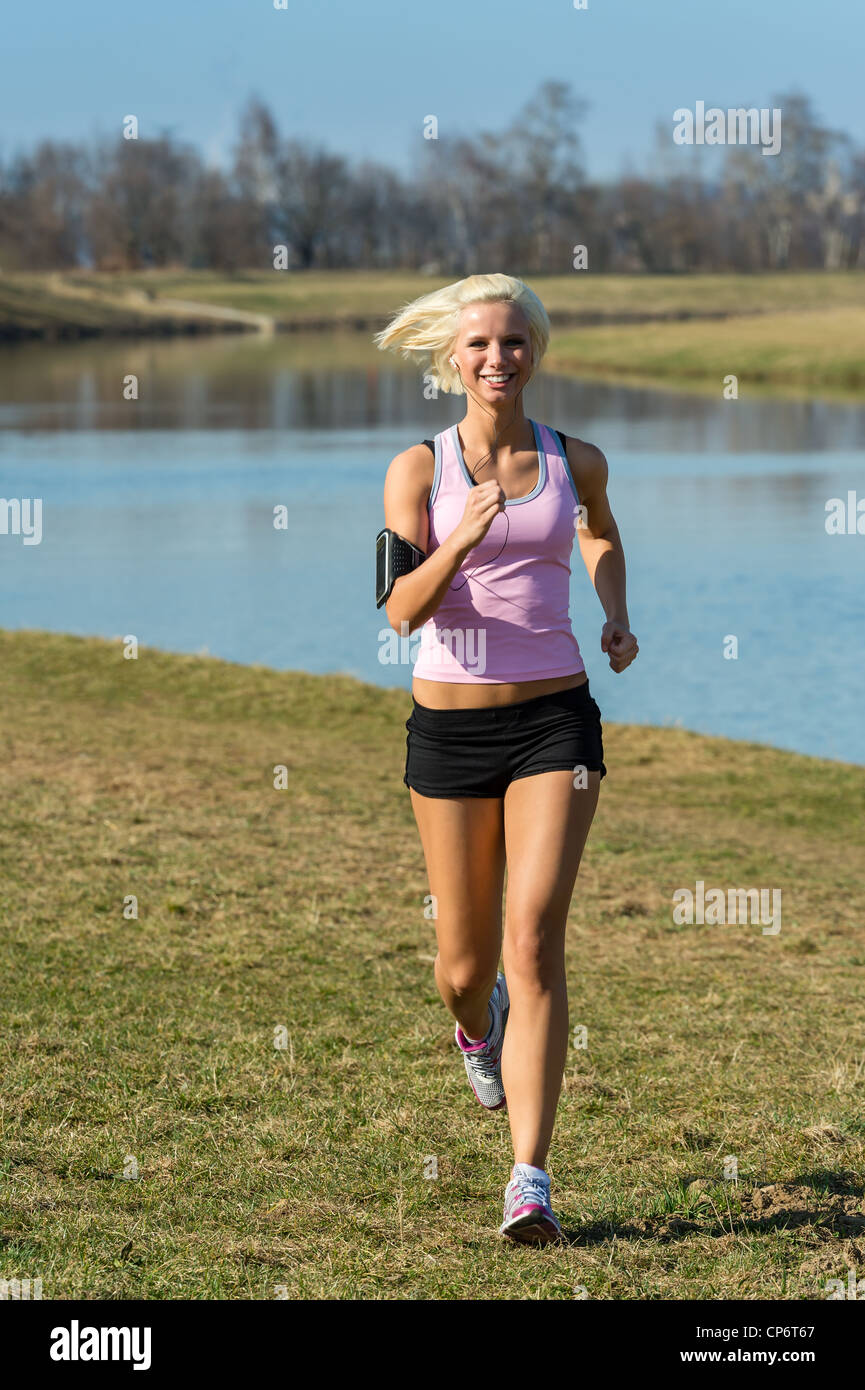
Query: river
x=157, y=520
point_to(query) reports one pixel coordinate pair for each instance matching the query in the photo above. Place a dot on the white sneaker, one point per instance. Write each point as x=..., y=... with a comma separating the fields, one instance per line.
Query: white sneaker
x=483, y=1060
x=528, y=1216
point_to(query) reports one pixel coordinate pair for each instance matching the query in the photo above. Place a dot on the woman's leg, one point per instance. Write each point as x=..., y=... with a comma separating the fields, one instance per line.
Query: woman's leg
x=463, y=845
x=547, y=821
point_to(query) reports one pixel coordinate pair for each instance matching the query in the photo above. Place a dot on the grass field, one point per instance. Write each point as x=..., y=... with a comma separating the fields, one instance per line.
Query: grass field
x=799, y=331
x=820, y=350
x=296, y=297
x=151, y=1042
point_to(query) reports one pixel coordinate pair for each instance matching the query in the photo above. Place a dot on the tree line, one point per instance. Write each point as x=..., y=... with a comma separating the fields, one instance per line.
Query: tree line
x=519, y=198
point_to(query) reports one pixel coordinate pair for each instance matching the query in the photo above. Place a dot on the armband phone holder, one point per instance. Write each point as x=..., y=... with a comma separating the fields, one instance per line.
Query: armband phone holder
x=394, y=557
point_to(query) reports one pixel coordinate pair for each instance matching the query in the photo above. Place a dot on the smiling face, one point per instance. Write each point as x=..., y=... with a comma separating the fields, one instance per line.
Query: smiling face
x=493, y=350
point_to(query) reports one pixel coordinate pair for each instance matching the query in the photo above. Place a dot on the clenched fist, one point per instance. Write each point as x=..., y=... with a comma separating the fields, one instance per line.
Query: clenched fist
x=619, y=643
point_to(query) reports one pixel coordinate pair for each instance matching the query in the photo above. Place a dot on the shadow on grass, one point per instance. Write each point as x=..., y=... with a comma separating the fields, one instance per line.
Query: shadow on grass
x=824, y=1198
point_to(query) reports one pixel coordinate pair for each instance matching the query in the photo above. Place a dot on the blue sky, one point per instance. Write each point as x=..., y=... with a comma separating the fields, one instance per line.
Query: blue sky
x=360, y=77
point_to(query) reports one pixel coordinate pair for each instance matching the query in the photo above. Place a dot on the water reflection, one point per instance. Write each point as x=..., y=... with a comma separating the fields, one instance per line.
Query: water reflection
x=338, y=381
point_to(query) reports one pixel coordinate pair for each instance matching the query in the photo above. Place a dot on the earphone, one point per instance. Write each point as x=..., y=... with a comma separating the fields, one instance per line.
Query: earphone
x=485, y=459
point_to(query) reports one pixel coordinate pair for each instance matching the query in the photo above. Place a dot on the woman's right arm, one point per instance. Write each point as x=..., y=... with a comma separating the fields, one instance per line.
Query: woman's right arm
x=417, y=595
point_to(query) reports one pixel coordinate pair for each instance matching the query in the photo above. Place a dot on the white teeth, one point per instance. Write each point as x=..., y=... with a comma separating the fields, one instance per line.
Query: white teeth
x=506, y=377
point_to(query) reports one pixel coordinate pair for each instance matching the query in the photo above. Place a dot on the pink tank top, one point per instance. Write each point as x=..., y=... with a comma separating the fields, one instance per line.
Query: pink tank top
x=505, y=615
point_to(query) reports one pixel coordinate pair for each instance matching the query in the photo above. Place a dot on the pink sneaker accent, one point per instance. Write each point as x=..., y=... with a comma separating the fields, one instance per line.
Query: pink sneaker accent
x=528, y=1216
x=483, y=1060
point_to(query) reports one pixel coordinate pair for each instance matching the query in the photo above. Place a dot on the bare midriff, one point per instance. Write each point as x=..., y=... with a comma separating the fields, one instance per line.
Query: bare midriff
x=456, y=695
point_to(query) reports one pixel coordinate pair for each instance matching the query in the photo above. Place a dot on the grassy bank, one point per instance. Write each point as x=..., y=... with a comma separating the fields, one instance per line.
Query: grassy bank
x=804, y=330
x=151, y=1041
x=819, y=351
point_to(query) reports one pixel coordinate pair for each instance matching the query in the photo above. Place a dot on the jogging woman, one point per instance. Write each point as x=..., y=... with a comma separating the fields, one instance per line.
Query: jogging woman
x=504, y=748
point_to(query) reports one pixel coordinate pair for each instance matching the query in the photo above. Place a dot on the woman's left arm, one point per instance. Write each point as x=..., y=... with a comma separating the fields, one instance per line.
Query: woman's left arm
x=601, y=549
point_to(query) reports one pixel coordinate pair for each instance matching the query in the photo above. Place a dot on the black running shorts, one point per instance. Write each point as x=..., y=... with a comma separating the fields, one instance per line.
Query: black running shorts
x=479, y=752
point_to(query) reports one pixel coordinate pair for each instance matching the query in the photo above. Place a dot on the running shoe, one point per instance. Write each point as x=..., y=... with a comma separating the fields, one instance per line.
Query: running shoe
x=528, y=1216
x=483, y=1060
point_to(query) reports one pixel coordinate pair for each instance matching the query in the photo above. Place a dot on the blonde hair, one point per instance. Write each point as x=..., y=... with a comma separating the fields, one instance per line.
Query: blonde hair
x=424, y=330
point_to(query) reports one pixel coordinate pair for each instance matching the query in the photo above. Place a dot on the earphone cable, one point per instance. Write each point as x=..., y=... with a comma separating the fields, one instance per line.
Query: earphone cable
x=485, y=458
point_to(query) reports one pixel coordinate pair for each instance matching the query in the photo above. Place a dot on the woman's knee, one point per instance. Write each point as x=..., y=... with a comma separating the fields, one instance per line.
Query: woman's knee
x=534, y=954
x=468, y=975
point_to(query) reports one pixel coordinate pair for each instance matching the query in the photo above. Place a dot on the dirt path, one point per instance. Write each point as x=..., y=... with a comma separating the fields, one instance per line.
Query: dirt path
x=157, y=304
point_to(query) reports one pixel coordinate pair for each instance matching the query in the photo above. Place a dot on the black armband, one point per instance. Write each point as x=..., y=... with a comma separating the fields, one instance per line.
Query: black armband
x=394, y=557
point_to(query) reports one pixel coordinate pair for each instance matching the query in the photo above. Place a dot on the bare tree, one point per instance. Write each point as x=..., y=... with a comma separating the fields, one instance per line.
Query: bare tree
x=515, y=196
x=134, y=218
